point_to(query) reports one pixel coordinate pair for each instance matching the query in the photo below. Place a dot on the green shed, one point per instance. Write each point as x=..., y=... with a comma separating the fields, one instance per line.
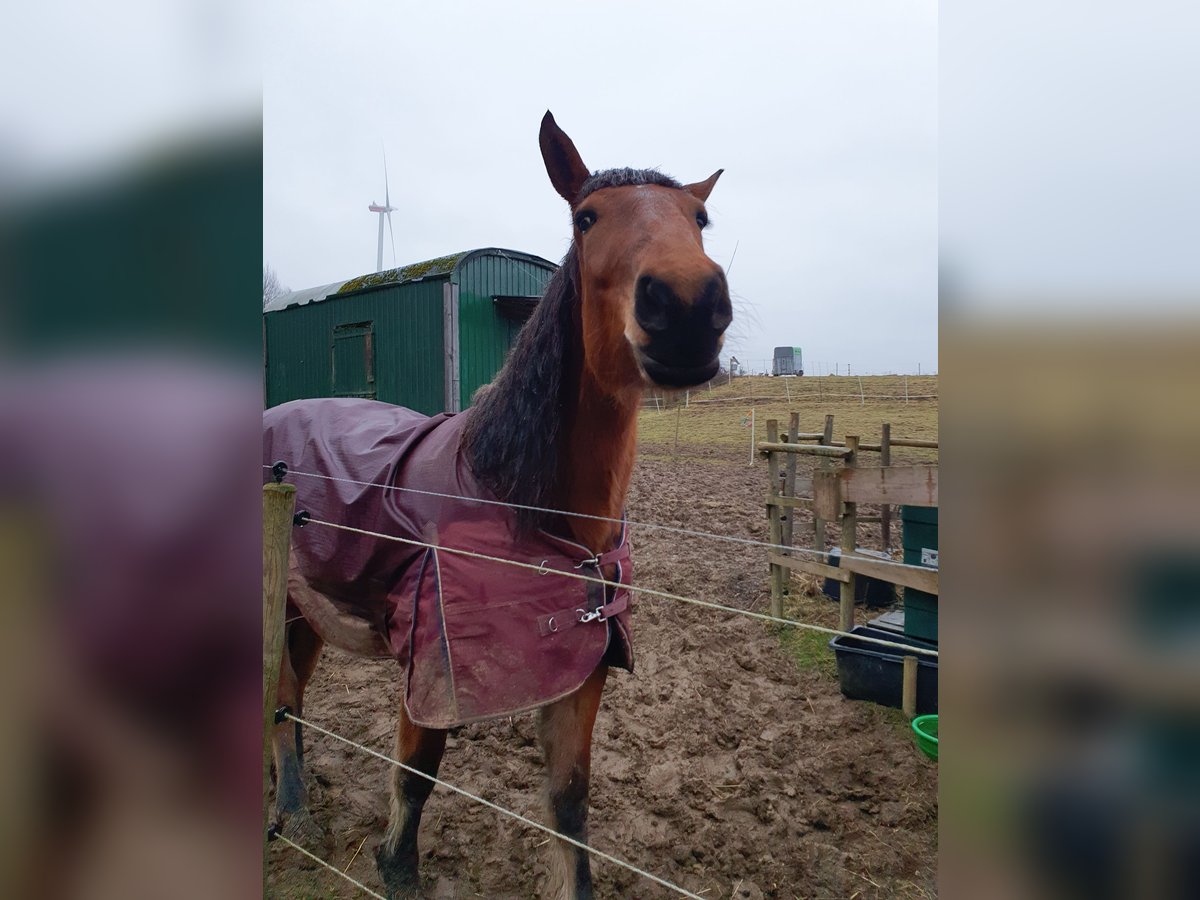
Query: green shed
x=425, y=336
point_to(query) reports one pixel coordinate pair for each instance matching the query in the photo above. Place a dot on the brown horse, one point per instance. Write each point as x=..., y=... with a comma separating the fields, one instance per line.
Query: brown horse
x=636, y=302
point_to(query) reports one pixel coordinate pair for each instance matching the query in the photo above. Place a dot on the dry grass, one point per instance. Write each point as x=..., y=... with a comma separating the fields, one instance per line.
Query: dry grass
x=718, y=419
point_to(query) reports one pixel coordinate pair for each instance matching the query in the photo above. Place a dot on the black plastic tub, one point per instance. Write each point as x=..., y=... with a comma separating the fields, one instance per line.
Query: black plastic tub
x=873, y=672
x=873, y=592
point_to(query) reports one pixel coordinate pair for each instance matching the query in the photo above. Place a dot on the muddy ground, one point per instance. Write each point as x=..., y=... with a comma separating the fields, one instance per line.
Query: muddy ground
x=729, y=763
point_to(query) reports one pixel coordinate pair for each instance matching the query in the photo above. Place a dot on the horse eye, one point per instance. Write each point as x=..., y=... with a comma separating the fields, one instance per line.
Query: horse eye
x=701, y=219
x=585, y=220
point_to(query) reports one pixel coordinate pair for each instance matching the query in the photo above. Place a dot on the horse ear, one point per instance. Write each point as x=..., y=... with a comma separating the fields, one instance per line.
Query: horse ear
x=563, y=163
x=701, y=189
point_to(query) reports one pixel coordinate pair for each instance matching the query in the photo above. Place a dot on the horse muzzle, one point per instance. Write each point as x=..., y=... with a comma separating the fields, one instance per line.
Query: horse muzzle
x=683, y=335
x=676, y=376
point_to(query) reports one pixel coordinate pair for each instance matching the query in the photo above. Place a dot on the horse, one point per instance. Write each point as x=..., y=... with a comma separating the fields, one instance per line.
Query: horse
x=636, y=302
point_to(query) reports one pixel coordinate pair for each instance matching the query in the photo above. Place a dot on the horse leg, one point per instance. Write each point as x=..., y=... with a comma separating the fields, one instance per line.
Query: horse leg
x=301, y=650
x=397, y=856
x=306, y=652
x=565, y=729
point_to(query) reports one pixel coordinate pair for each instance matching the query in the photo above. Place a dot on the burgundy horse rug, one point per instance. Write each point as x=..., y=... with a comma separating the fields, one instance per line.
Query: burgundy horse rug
x=476, y=638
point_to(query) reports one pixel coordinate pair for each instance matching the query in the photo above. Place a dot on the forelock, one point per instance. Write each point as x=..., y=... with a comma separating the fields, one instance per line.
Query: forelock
x=610, y=178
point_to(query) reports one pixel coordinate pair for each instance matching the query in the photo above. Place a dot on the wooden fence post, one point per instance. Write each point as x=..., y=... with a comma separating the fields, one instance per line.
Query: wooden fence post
x=752, y=448
x=822, y=463
x=279, y=505
x=908, y=696
x=849, y=541
x=789, y=482
x=778, y=573
x=885, y=460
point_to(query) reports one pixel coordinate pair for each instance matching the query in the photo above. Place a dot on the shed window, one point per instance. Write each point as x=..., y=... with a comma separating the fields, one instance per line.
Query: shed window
x=353, y=368
x=515, y=307
x=514, y=311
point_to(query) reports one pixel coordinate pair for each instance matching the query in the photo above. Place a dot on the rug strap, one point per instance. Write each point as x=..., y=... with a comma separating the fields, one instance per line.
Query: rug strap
x=566, y=619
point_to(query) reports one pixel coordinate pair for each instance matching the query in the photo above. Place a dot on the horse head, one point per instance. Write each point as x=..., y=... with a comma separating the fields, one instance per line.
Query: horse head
x=654, y=307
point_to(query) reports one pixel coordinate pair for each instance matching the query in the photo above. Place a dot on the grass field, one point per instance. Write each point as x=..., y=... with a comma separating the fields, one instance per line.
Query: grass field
x=719, y=418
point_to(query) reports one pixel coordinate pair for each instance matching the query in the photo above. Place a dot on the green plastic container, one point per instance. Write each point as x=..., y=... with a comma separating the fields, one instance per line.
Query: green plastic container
x=920, y=532
x=920, y=615
x=925, y=728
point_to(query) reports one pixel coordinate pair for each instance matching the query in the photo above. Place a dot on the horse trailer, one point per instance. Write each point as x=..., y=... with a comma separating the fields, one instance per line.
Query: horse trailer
x=425, y=336
x=787, y=361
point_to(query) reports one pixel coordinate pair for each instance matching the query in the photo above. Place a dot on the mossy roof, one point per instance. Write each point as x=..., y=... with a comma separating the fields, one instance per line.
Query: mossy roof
x=442, y=265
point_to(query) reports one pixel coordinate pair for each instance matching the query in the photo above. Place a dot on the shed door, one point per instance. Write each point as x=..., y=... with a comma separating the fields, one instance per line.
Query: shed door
x=354, y=360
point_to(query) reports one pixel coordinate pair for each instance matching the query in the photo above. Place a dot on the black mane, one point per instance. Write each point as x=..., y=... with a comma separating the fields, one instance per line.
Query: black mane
x=517, y=423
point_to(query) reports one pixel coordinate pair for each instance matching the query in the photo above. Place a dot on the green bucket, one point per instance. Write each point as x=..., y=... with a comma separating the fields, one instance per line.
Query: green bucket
x=925, y=729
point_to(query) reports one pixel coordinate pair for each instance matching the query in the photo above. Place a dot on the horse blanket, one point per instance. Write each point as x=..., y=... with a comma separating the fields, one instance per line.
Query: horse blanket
x=476, y=639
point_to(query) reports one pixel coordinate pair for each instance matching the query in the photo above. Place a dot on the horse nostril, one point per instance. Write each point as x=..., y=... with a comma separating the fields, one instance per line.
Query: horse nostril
x=652, y=302
x=715, y=300
x=722, y=312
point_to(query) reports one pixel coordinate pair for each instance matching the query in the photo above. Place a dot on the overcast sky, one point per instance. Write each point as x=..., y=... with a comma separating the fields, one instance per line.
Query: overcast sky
x=823, y=115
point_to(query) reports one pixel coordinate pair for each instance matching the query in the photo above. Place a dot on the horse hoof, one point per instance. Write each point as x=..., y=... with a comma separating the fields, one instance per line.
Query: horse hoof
x=399, y=875
x=406, y=891
x=301, y=828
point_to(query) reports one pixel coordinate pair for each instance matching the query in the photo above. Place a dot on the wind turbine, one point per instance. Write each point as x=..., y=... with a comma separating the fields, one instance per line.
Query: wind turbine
x=385, y=210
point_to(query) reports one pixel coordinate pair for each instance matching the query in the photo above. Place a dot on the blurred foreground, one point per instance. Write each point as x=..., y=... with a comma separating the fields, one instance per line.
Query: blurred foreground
x=1070, y=363
x=130, y=226
x=130, y=394
x=1071, y=624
